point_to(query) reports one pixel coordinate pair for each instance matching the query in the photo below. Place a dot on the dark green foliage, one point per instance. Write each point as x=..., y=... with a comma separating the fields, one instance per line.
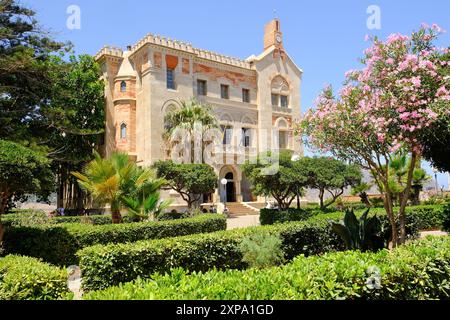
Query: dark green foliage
x=172, y=215
x=419, y=270
x=103, y=266
x=446, y=218
x=57, y=244
x=24, y=278
x=189, y=180
x=22, y=171
x=272, y=216
x=275, y=174
x=329, y=175
x=365, y=234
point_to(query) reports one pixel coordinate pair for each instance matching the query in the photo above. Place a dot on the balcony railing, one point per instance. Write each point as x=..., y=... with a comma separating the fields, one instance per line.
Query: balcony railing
x=281, y=109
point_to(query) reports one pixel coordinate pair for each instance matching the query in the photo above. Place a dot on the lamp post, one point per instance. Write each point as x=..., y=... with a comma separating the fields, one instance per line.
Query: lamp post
x=435, y=180
x=224, y=183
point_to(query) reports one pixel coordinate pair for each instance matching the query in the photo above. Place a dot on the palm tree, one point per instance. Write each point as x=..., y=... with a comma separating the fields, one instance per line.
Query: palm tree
x=145, y=201
x=111, y=180
x=418, y=180
x=192, y=117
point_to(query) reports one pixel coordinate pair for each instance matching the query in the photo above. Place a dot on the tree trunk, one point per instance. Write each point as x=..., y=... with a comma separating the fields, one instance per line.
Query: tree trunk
x=298, y=201
x=321, y=193
x=116, y=216
x=405, y=197
x=388, y=206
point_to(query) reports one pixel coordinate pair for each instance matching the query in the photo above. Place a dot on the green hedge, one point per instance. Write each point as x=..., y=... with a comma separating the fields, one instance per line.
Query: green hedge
x=25, y=278
x=104, y=266
x=419, y=270
x=428, y=217
x=272, y=216
x=58, y=244
x=16, y=218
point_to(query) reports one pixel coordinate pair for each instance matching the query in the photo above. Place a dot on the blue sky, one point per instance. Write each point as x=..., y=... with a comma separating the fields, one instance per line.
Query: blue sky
x=324, y=37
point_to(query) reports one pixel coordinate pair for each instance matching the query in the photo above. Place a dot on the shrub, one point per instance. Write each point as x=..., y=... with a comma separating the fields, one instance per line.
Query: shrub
x=58, y=244
x=272, y=216
x=24, y=278
x=427, y=217
x=261, y=250
x=104, y=266
x=418, y=270
x=31, y=218
x=446, y=215
x=172, y=215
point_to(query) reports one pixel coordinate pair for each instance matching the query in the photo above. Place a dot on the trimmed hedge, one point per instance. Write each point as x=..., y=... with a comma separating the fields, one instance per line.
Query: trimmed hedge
x=25, y=278
x=104, y=266
x=15, y=218
x=272, y=216
x=428, y=217
x=419, y=270
x=58, y=244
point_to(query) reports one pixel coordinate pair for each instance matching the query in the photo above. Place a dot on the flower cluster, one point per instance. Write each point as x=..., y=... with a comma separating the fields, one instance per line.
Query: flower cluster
x=401, y=90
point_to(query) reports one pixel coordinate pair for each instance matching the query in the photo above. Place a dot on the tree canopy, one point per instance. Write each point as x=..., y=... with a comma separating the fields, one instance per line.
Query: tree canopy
x=189, y=180
x=331, y=175
x=284, y=184
x=383, y=109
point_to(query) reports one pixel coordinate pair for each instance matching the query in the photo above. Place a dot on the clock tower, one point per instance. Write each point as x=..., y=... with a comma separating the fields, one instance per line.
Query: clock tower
x=272, y=35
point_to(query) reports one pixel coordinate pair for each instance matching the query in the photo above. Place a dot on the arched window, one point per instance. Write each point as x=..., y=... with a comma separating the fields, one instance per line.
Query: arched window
x=280, y=92
x=123, y=131
x=123, y=86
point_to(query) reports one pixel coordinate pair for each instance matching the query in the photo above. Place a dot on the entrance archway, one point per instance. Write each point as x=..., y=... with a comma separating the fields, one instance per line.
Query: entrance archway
x=230, y=190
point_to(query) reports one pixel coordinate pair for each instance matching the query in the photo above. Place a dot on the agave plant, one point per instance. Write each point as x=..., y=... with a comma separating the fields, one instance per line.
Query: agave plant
x=365, y=234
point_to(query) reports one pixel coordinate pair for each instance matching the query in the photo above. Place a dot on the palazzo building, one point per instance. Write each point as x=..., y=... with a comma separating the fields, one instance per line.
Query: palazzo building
x=251, y=98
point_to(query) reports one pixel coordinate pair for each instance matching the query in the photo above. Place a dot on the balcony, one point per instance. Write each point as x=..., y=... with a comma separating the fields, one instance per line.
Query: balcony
x=219, y=102
x=281, y=110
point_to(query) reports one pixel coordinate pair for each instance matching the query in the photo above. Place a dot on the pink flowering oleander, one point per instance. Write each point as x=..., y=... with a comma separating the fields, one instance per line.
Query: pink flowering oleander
x=399, y=92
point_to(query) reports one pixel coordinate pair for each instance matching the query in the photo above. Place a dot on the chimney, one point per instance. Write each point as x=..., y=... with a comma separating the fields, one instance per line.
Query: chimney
x=272, y=35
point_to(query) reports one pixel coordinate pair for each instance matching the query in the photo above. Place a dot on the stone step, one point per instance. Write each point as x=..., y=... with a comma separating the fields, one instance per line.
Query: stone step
x=237, y=208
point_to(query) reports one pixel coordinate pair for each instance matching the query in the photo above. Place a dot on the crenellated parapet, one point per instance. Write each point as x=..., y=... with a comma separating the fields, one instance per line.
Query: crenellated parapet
x=188, y=48
x=109, y=51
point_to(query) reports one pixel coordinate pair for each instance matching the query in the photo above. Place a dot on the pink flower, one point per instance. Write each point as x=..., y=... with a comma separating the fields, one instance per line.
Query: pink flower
x=390, y=61
x=442, y=91
x=416, y=82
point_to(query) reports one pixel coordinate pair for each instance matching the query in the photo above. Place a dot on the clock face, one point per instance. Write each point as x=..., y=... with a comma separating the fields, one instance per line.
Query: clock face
x=278, y=38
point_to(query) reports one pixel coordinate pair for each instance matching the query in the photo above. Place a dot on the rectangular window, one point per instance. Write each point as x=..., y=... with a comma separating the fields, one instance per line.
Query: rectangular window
x=275, y=99
x=284, y=101
x=201, y=87
x=246, y=95
x=283, y=139
x=170, y=78
x=227, y=134
x=224, y=91
x=246, y=137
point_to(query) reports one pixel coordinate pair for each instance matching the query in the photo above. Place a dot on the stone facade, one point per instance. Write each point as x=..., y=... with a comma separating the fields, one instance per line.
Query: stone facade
x=138, y=98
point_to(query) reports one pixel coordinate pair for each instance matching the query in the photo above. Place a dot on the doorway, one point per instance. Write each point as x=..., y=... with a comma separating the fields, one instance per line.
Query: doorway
x=230, y=190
